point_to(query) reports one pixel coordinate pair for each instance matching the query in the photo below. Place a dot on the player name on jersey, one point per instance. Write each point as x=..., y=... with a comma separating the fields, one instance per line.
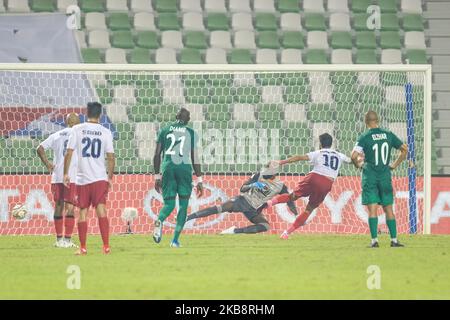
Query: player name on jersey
x=379, y=136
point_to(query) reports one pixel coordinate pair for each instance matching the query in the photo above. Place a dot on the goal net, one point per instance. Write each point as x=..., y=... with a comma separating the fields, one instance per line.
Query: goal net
x=244, y=118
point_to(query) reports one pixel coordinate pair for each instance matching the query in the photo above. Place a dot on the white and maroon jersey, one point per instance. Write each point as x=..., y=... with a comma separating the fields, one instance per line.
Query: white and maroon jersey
x=327, y=162
x=91, y=141
x=58, y=143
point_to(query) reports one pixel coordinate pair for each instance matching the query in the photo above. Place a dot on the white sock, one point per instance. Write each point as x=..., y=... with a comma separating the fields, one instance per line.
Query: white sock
x=374, y=240
x=394, y=240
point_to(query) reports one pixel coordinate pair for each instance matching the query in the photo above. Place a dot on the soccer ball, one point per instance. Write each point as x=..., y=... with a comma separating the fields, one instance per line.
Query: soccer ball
x=129, y=214
x=19, y=211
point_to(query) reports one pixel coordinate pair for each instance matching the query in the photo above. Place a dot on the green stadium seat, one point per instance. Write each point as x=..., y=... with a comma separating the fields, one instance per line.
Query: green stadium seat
x=390, y=40
x=360, y=5
x=119, y=21
x=288, y=6
x=246, y=168
x=360, y=22
x=222, y=94
x=315, y=22
x=195, y=40
x=269, y=79
x=42, y=6
x=23, y=149
x=166, y=112
x=190, y=56
x=272, y=124
x=347, y=114
x=165, y=5
x=92, y=5
x=388, y=6
x=297, y=94
x=133, y=166
x=268, y=39
x=218, y=112
x=269, y=112
x=343, y=78
x=366, y=56
x=371, y=94
x=199, y=95
x=105, y=94
x=125, y=130
x=316, y=56
x=122, y=39
x=417, y=56
x=194, y=80
x=296, y=79
x=220, y=80
x=168, y=21
x=240, y=56
x=393, y=79
x=265, y=21
x=413, y=22
x=320, y=113
x=341, y=40
x=91, y=55
x=345, y=94
x=124, y=149
x=389, y=22
x=141, y=113
x=149, y=95
x=366, y=40
x=217, y=21
x=248, y=94
x=147, y=40
x=292, y=40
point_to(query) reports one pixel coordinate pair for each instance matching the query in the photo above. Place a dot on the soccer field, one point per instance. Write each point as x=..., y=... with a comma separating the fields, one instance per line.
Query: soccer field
x=227, y=267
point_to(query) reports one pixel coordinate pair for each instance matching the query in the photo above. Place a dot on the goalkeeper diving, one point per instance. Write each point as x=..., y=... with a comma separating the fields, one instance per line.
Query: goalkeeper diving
x=254, y=193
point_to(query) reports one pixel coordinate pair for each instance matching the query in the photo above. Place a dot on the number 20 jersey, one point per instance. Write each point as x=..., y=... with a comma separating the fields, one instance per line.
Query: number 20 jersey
x=91, y=141
x=327, y=162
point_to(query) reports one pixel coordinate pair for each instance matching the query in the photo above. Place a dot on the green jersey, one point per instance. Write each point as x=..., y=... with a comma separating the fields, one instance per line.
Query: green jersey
x=376, y=145
x=177, y=141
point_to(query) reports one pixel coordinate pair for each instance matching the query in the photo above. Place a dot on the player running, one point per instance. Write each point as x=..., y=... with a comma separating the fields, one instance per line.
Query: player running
x=254, y=193
x=90, y=142
x=374, y=146
x=64, y=197
x=176, y=142
x=317, y=184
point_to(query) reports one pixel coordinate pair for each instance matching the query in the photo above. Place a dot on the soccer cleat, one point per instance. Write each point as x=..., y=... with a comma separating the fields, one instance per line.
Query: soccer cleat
x=106, y=249
x=81, y=252
x=60, y=243
x=284, y=235
x=68, y=243
x=175, y=244
x=229, y=230
x=157, y=231
x=374, y=245
x=396, y=244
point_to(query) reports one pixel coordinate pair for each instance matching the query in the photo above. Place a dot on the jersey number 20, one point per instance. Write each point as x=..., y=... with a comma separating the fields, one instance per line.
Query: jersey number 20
x=91, y=147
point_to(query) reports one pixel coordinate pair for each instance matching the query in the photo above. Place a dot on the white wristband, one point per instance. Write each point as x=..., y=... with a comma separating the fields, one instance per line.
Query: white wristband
x=157, y=176
x=199, y=179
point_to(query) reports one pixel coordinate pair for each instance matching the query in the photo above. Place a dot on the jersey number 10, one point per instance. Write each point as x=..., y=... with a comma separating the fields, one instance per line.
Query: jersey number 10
x=384, y=153
x=331, y=162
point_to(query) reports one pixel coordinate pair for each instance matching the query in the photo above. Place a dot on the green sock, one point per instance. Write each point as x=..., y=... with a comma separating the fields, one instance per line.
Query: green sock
x=392, y=226
x=166, y=210
x=373, y=226
x=181, y=218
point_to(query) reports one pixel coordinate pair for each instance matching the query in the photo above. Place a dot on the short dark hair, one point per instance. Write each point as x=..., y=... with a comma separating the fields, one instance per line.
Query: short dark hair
x=326, y=140
x=94, y=110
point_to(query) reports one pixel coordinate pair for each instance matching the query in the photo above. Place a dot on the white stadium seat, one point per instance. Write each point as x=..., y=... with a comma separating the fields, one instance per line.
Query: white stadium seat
x=264, y=6
x=272, y=94
x=338, y=6
x=144, y=21
x=215, y=6
x=99, y=39
x=391, y=56
x=166, y=56
x=220, y=39
x=240, y=6
x=18, y=6
x=340, y=22
x=244, y=112
x=322, y=94
x=193, y=21
x=216, y=56
x=141, y=6
x=395, y=94
x=117, y=112
x=116, y=5
x=415, y=40
x=291, y=22
x=172, y=39
x=313, y=6
x=95, y=21
x=266, y=56
x=369, y=78
x=291, y=56
x=124, y=94
x=244, y=39
x=62, y=5
x=196, y=111
x=317, y=40
x=242, y=21
x=341, y=56
x=81, y=38
x=411, y=6
x=116, y=55
x=295, y=112
x=190, y=6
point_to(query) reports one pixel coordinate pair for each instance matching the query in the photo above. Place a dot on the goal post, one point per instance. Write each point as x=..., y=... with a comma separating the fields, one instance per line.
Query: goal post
x=245, y=115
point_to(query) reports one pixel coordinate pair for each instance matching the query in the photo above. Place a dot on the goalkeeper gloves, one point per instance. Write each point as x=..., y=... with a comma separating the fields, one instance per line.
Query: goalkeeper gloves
x=258, y=185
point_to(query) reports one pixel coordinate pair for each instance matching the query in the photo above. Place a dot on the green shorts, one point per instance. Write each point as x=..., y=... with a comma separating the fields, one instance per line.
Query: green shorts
x=176, y=179
x=377, y=189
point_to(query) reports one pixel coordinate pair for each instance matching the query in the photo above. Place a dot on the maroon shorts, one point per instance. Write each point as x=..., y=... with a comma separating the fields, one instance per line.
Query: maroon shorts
x=92, y=194
x=315, y=186
x=63, y=193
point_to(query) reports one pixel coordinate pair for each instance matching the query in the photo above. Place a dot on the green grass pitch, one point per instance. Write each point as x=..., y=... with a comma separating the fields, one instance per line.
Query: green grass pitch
x=227, y=267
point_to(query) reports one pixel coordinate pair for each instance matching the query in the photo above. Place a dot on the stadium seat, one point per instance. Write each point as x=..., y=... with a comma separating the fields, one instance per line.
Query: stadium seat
x=337, y=6
x=144, y=21
x=165, y=5
x=248, y=94
x=413, y=22
x=119, y=21
x=389, y=22
x=196, y=110
x=314, y=22
x=244, y=39
x=391, y=56
x=99, y=39
x=268, y=40
x=18, y=6
x=264, y=6
x=239, y=6
x=340, y=22
x=272, y=94
x=91, y=5
x=168, y=21
x=173, y=95
x=193, y=21
x=266, y=56
x=359, y=6
x=171, y=39
x=140, y=56
x=222, y=95
x=416, y=56
x=411, y=6
x=116, y=5
x=291, y=56
x=294, y=113
x=217, y=21
x=366, y=40
x=291, y=22
x=313, y=6
x=244, y=112
x=341, y=40
x=114, y=55
x=360, y=22
x=166, y=56
x=321, y=94
x=220, y=39
x=215, y=6
x=141, y=6
x=297, y=94
x=91, y=55
x=390, y=40
x=147, y=40
x=62, y=5
x=288, y=6
x=42, y=6
x=341, y=56
x=292, y=40
x=388, y=6
x=316, y=56
x=320, y=113
x=190, y=6
x=317, y=40
x=148, y=95
x=218, y=112
x=124, y=94
x=190, y=56
x=95, y=21
x=242, y=21
x=81, y=38
x=366, y=56
x=195, y=39
x=369, y=79
x=265, y=21
x=122, y=39
x=216, y=56
x=415, y=40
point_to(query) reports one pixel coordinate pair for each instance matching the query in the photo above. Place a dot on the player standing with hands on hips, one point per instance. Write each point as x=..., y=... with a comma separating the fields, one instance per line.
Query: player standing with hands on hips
x=92, y=143
x=375, y=146
x=176, y=143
